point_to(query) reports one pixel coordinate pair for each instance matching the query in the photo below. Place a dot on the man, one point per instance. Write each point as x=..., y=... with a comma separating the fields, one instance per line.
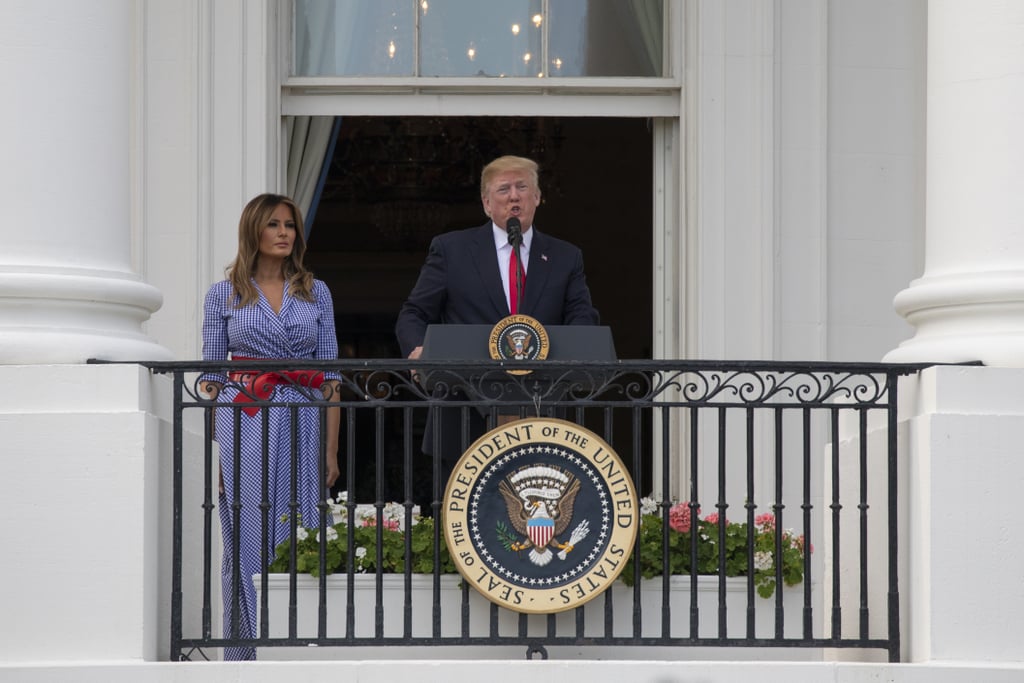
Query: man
x=465, y=280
